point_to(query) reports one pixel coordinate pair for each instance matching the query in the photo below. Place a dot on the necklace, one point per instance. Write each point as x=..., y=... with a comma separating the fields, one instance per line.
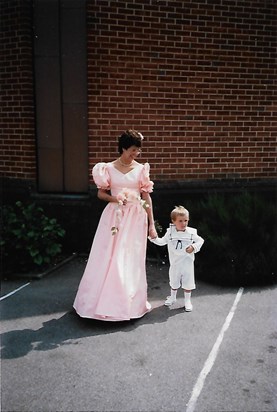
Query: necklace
x=124, y=164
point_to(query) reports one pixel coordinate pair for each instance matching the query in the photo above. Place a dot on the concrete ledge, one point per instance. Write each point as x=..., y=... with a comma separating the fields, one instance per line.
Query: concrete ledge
x=39, y=275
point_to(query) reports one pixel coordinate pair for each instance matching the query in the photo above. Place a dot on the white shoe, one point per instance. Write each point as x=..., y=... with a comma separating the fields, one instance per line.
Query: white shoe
x=169, y=301
x=188, y=306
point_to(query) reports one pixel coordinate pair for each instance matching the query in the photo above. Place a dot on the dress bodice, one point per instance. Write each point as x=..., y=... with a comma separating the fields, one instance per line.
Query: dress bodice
x=107, y=177
x=121, y=180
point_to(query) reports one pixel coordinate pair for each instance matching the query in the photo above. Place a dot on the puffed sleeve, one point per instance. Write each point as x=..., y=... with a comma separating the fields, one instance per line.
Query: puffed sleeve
x=101, y=176
x=146, y=185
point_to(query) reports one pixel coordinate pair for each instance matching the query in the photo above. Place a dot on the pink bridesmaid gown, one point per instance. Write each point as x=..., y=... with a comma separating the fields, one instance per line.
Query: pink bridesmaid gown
x=114, y=286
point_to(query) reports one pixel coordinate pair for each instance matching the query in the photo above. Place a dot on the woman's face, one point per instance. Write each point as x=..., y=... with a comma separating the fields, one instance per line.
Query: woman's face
x=131, y=153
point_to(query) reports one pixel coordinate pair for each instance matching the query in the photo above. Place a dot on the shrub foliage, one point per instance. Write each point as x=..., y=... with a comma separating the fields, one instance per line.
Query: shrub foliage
x=240, y=233
x=240, y=239
x=29, y=237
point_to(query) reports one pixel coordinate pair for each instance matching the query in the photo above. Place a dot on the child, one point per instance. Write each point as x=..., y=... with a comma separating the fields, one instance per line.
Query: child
x=182, y=243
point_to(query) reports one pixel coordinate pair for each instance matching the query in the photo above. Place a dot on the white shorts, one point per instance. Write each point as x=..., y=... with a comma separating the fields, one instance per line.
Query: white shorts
x=182, y=275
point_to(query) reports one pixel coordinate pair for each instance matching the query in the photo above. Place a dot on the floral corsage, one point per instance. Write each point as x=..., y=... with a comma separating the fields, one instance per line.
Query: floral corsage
x=126, y=195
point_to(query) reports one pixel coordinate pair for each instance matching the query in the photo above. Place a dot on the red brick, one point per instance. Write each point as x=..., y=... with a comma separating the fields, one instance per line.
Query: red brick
x=197, y=81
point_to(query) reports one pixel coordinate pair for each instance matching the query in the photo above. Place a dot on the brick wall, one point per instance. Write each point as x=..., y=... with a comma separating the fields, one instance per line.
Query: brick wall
x=17, y=146
x=196, y=77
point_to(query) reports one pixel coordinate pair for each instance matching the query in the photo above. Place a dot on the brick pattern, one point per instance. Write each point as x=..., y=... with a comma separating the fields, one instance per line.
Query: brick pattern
x=197, y=78
x=17, y=146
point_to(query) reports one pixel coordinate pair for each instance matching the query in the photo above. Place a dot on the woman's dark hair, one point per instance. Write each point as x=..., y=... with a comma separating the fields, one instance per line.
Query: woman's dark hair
x=129, y=138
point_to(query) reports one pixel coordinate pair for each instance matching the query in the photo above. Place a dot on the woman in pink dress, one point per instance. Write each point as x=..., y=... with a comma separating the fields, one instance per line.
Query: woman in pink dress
x=114, y=286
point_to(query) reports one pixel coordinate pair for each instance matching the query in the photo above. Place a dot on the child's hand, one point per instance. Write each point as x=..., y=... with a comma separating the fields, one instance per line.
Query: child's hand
x=189, y=249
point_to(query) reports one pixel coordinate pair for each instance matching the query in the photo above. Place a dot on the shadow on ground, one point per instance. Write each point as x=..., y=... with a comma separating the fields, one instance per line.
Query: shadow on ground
x=70, y=327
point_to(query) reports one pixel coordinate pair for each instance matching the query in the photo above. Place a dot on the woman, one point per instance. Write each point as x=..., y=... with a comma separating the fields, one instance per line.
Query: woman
x=114, y=286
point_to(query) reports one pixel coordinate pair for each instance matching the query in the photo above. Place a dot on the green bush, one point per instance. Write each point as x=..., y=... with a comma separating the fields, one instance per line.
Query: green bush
x=240, y=239
x=29, y=238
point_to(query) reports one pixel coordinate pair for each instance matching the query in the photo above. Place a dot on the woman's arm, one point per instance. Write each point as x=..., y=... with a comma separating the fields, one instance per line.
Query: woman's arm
x=152, y=230
x=104, y=195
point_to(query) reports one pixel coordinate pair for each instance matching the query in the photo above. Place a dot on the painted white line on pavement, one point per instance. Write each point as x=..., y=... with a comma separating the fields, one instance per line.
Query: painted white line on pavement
x=14, y=291
x=212, y=356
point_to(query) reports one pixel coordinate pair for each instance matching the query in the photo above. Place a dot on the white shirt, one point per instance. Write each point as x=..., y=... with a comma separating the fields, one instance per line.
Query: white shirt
x=177, y=242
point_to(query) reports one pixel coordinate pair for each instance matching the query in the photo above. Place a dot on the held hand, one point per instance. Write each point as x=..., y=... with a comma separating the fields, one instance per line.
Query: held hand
x=190, y=249
x=152, y=232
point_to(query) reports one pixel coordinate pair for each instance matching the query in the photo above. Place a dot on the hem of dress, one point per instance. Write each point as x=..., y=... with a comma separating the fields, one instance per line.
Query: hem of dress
x=109, y=318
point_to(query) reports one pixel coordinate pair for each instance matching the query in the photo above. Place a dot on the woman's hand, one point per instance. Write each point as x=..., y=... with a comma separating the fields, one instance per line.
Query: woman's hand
x=152, y=232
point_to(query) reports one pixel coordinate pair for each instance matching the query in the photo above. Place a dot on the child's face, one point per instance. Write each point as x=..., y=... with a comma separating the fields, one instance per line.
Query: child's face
x=181, y=222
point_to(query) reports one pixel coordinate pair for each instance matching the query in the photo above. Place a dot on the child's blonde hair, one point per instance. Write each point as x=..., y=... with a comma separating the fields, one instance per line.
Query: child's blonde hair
x=178, y=211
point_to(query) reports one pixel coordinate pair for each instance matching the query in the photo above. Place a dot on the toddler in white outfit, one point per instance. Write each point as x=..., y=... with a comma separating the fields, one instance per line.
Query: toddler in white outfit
x=182, y=242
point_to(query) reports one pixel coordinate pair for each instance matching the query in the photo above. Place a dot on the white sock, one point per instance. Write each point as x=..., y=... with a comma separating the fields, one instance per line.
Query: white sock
x=173, y=294
x=187, y=296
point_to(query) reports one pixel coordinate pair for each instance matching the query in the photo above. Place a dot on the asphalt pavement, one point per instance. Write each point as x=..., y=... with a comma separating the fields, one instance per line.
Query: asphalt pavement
x=221, y=357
